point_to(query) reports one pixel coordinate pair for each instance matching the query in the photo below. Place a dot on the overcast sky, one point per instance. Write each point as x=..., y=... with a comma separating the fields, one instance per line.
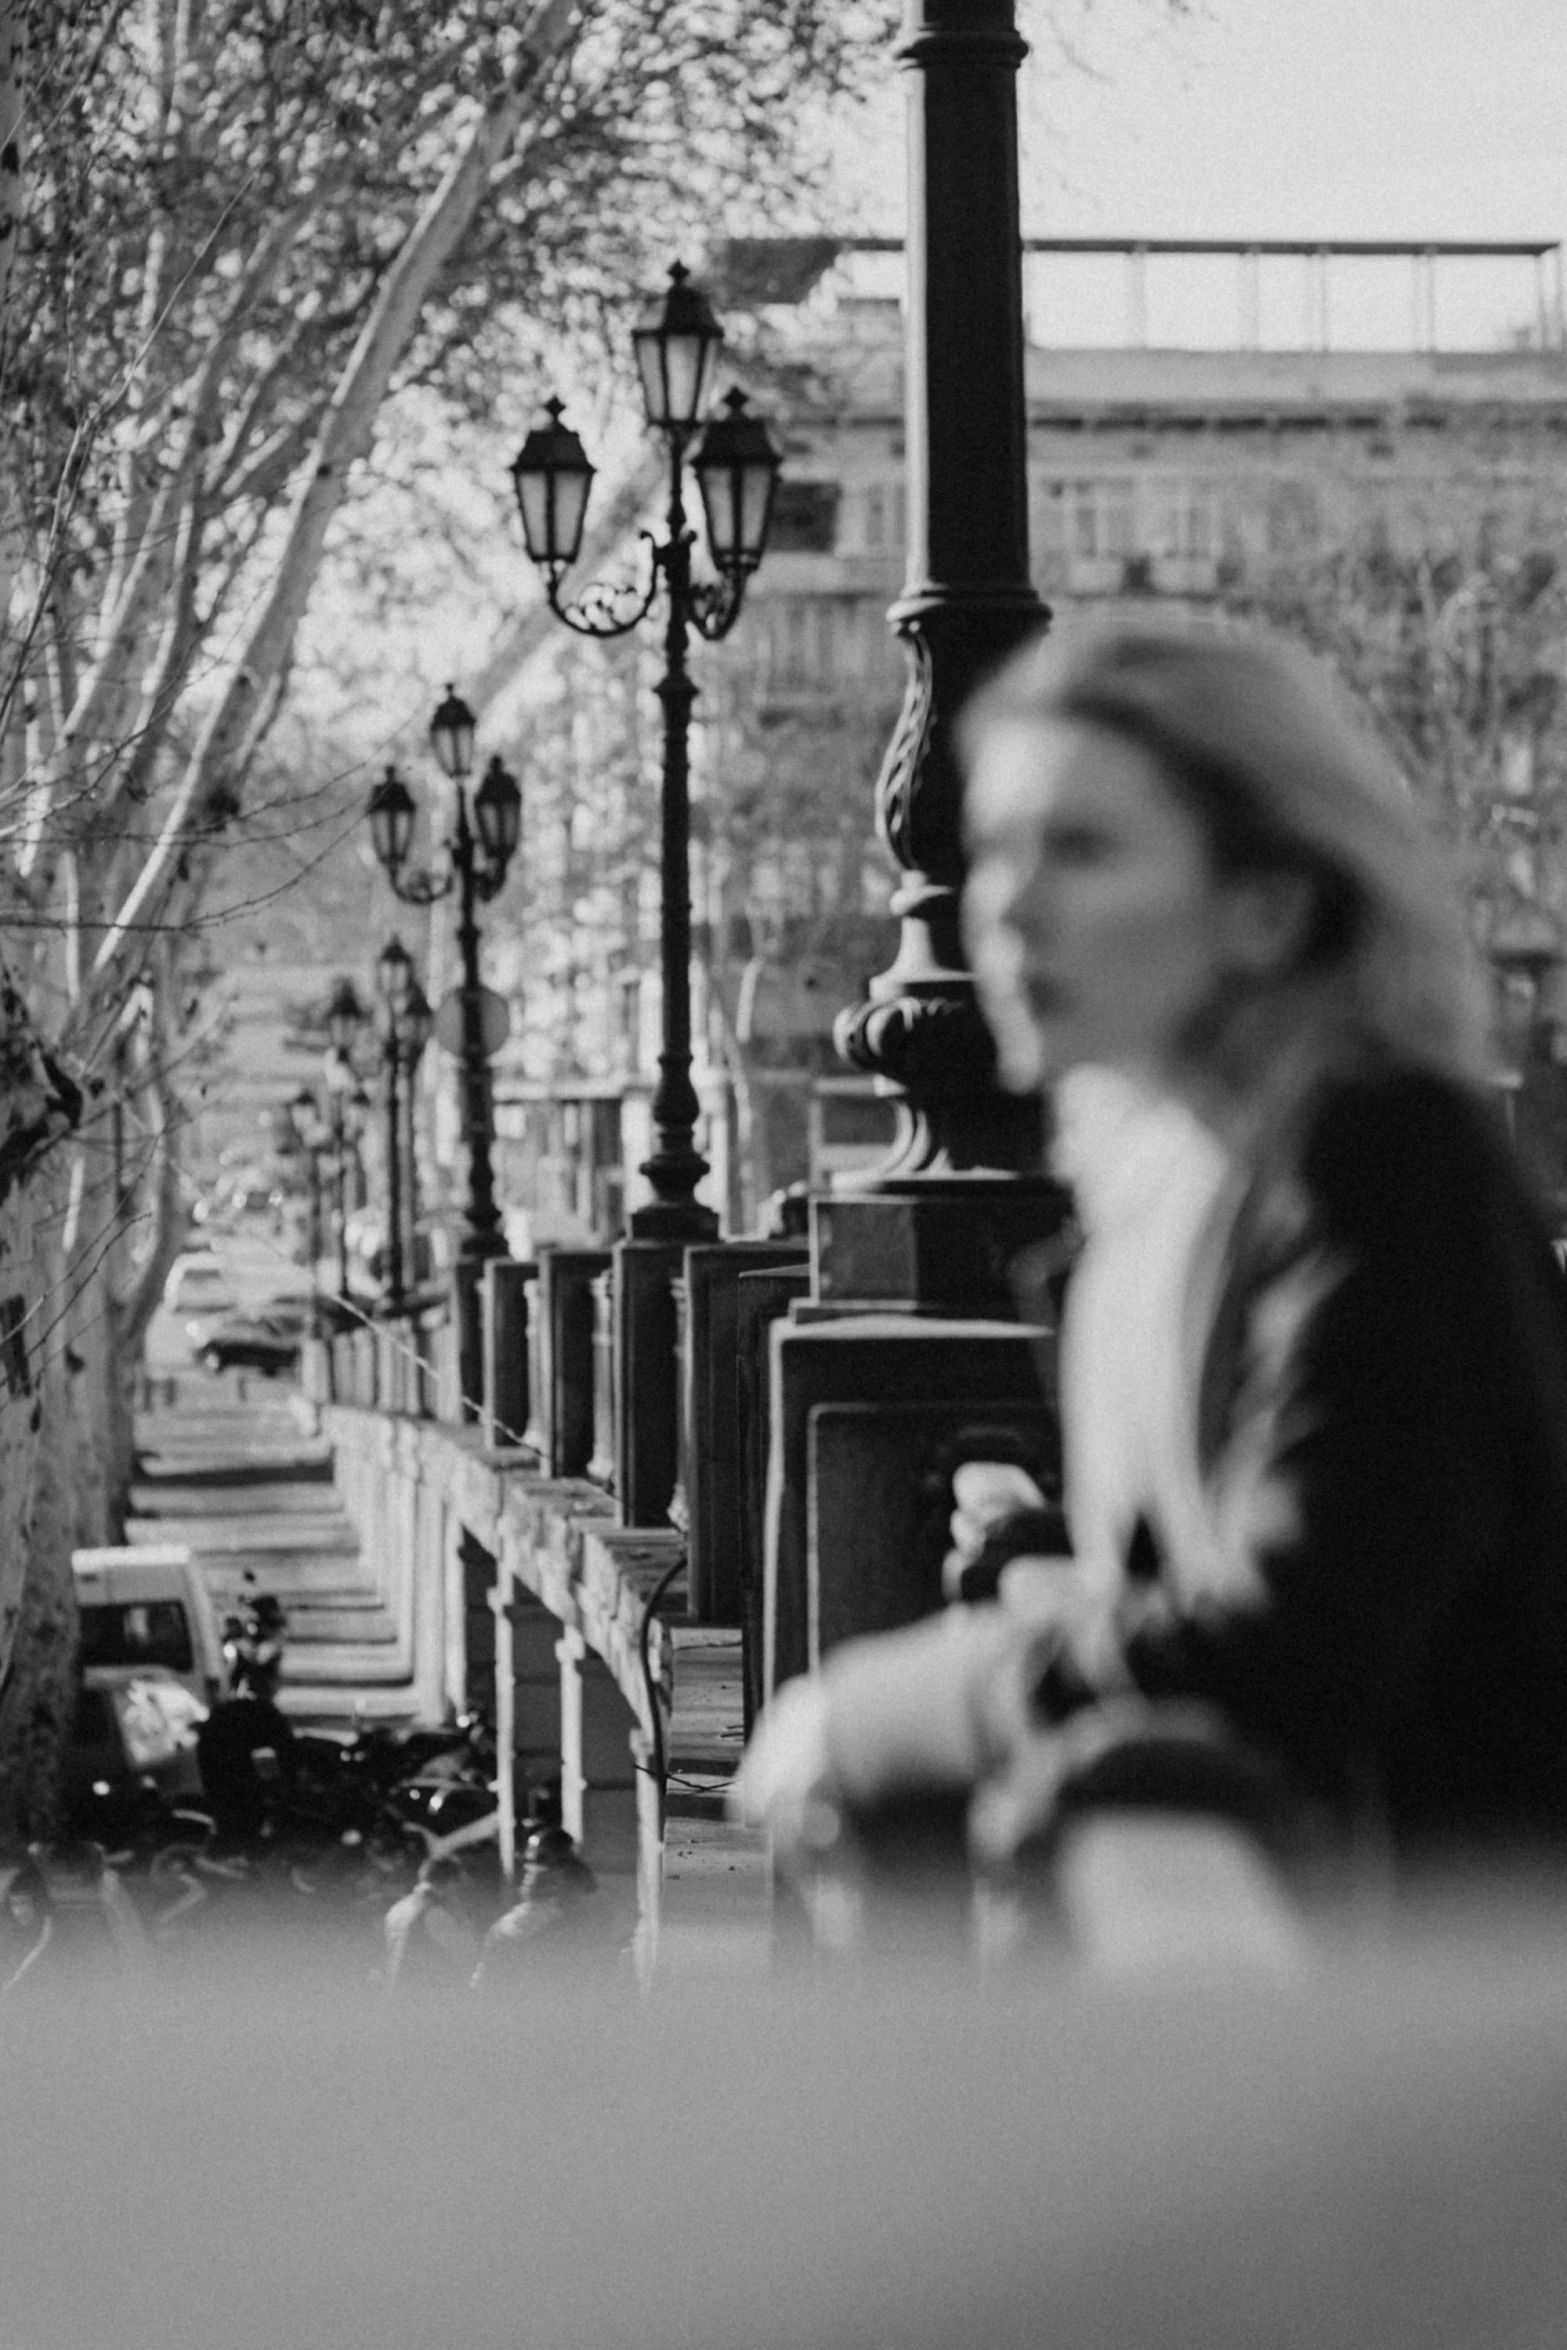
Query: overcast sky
x=1294, y=118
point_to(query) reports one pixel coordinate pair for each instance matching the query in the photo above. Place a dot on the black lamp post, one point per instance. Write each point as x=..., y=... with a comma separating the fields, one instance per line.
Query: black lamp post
x=304, y=1115
x=736, y=467
x=345, y=1018
x=477, y=856
x=418, y=1022
x=405, y=1031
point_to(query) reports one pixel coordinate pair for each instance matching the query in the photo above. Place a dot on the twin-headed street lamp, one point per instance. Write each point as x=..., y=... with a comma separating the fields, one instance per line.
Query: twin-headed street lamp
x=736, y=468
x=302, y=1121
x=405, y=1031
x=475, y=862
x=347, y=1104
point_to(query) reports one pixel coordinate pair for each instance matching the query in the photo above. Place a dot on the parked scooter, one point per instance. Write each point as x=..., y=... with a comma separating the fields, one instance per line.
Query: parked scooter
x=435, y=1786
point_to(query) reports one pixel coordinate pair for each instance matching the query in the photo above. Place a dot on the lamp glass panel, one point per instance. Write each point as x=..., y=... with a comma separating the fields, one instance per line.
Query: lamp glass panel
x=536, y=505
x=451, y=734
x=736, y=468
x=717, y=485
x=674, y=348
x=345, y=1016
x=674, y=375
x=552, y=477
x=757, y=484
x=568, y=511
x=649, y=349
x=497, y=811
x=391, y=813
x=395, y=972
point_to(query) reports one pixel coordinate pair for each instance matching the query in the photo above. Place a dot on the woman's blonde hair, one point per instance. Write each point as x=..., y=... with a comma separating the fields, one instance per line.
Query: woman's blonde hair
x=1283, y=776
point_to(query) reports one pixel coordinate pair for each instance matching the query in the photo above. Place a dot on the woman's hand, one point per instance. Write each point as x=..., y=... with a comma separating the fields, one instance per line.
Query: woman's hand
x=937, y=1705
x=888, y=1713
x=1000, y=1513
x=785, y=1775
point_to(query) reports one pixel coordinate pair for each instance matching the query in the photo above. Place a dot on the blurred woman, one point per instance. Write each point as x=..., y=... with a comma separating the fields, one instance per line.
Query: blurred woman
x=1315, y=1429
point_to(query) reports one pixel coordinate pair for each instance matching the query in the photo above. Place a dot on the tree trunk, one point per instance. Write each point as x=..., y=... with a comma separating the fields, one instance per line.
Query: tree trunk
x=112, y=1301
x=38, y=1624
x=247, y=702
x=13, y=54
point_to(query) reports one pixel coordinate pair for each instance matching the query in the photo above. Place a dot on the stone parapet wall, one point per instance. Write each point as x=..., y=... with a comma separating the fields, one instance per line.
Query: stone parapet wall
x=637, y=1689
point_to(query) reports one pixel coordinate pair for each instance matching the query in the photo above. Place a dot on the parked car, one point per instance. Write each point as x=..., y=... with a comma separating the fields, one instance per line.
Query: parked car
x=198, y=1294
x=198, y=1284
x=266, y=1341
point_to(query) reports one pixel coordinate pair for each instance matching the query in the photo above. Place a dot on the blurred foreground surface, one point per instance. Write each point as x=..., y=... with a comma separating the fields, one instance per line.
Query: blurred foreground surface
x=1373, y=2152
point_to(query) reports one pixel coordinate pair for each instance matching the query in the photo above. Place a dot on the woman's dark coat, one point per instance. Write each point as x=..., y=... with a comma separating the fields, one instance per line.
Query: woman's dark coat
x=1405, y=1642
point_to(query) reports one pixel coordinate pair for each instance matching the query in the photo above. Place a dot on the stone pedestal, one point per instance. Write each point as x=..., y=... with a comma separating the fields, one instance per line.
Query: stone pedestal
x=467, y=1324
x=647, y=1380
x=710, y=1452
x=604, y=1458
x=504, y=1303
x=761, y=1299
x=931, y=1246
x=533, y=1435
x=565, y=1296
x=855, y=1515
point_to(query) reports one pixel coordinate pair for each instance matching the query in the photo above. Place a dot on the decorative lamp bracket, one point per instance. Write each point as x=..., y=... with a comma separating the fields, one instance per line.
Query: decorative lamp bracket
x=606, y=607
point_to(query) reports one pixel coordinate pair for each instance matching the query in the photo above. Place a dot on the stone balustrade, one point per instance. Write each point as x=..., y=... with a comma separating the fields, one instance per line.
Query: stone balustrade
x=793, y=1465
x=588, y=1686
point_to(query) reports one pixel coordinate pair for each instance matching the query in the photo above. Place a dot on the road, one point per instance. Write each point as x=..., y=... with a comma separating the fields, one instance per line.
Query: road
x=227, y=1466
x=258, y=1267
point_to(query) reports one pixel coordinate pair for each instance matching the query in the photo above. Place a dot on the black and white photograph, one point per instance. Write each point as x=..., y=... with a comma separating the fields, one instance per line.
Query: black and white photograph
x=783, y=1175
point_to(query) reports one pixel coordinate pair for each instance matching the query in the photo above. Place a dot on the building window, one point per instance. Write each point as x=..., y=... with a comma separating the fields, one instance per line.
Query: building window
x=1294, y=518
x=882, y=513
x=1169, y=523
x=1103, y=525
x=805, y=518
x=803, y=644
x=1178, y=521
x=1047, y=517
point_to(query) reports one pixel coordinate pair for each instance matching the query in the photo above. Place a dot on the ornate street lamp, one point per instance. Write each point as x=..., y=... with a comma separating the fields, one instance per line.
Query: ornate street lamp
x=308, y=1129
x=416, y=1022
x=477, y=856
x=736, y=467
x=452, y=731
x=392, y=814
x=341, y=1091
x=345, y=1017
x=308, y=1122
x=394, y=974
x=405, y=1031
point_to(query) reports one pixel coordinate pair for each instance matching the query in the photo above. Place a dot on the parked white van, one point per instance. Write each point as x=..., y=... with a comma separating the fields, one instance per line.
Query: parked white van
x=147, y=1605
x=198, y=1286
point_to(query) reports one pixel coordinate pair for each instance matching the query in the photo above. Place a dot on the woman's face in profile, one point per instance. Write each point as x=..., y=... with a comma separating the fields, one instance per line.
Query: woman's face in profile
x=1095, y=922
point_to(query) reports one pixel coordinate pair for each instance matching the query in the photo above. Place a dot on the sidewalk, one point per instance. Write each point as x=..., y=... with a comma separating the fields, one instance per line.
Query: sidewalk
x=227, y=1468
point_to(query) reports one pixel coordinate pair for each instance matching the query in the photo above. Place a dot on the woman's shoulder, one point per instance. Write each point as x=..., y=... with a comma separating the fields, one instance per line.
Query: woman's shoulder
x=1404, y=1154
x=1404, y=1122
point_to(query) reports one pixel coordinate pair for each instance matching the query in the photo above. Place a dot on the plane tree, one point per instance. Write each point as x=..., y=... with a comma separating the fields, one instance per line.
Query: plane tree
x=232, y=233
